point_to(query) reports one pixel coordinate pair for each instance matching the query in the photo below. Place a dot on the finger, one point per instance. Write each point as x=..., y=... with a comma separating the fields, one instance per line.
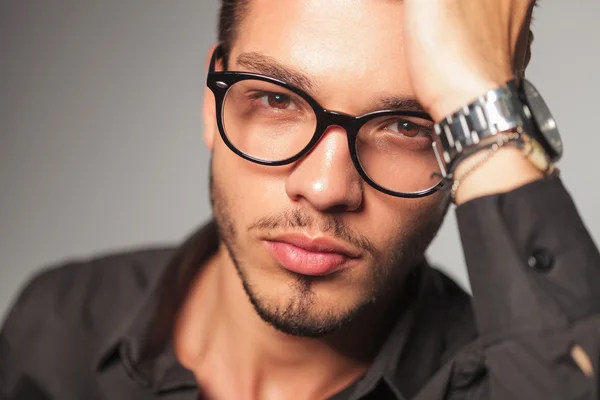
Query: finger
x=582, y=360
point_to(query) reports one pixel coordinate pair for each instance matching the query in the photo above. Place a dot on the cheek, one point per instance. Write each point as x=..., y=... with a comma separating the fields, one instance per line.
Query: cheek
x=427, y=208
x=422, y=213
x=252, y=191
x=397, y=221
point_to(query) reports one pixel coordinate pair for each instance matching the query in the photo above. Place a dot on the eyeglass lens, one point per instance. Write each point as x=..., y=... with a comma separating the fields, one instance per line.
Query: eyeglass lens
x=271, y=123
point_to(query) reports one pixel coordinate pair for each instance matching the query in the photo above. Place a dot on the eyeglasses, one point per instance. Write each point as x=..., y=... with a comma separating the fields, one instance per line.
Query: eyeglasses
x=269, y=122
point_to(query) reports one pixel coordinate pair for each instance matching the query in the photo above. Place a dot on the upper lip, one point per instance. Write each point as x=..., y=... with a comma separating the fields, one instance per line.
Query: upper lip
x=322, y=244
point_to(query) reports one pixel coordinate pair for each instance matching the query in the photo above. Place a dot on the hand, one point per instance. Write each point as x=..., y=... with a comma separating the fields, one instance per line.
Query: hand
x=459, y=49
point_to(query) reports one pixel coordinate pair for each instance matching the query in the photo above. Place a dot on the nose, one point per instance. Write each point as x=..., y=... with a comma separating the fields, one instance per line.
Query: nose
x=326, y=177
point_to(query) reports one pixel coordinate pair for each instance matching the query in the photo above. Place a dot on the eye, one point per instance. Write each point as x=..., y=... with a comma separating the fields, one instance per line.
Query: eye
x=407, y=128
x=277, y=100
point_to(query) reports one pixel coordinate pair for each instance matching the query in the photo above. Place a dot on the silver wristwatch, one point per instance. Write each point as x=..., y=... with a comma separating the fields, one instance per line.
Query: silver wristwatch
x=507, y=108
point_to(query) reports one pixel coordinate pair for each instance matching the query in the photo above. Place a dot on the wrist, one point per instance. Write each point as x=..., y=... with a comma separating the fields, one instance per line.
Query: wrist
x=452, y=99
x=471, y=138
x=506, y=170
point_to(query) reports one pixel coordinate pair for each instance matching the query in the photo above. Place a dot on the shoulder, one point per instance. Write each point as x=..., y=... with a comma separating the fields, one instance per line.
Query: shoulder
x=80, y=291
x=75, y=305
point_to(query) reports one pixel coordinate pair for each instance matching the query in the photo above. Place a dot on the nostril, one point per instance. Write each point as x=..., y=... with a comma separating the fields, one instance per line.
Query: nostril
x=338, y=209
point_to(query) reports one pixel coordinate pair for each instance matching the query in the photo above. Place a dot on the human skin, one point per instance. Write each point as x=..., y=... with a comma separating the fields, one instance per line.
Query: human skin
x=324, y=186
x=354, y=52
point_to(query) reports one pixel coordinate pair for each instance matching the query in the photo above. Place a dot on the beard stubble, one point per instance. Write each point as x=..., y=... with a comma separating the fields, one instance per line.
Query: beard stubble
x=296, y=317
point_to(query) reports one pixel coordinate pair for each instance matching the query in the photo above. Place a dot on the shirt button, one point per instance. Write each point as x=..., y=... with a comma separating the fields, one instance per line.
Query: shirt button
x=541, y=259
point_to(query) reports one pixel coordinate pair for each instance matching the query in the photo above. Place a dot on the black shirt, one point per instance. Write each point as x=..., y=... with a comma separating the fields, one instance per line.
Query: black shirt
x=99, y=329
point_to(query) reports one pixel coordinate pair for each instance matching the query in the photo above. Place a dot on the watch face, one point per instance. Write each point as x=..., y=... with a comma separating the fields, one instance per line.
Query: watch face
x=543, y=118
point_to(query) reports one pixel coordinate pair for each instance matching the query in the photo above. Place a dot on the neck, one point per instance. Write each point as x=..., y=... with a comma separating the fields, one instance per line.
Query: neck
x=218, y=333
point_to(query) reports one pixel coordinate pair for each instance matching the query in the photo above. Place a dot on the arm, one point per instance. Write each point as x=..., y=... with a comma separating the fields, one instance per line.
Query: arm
x=535, y=277
x=534, y=270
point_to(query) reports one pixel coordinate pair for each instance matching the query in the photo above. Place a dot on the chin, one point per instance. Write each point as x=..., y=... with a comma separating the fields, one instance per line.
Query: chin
x=305, y=317
x=307, y=306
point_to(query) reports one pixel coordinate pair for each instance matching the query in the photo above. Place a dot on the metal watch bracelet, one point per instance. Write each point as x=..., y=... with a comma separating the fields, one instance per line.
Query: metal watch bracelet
x=463, y=133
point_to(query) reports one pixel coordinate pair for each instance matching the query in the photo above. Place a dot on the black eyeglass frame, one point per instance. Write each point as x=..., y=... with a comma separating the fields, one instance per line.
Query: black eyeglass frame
x=219, y=82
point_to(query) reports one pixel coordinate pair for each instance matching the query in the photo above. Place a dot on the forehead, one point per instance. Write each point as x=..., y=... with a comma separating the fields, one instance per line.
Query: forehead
x=333, y=41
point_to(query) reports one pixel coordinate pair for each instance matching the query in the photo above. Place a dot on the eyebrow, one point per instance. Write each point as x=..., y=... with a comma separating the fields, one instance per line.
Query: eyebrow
x=265, y=65
x=401, y=103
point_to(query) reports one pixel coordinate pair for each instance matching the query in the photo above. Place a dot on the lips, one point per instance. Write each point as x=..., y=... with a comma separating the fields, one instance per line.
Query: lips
x=310, y=256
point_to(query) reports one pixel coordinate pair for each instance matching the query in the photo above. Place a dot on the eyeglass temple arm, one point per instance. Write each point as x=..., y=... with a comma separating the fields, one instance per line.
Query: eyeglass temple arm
x=217, y=54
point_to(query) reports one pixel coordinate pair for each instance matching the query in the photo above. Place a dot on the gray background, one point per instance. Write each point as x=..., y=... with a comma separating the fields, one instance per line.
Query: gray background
x=101, y=133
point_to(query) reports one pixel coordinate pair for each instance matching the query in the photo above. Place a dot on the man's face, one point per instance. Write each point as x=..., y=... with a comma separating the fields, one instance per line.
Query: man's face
x=352, y=52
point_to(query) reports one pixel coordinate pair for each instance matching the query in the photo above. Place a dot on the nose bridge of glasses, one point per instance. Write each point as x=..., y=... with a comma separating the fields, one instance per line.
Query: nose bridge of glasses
x=335, y=118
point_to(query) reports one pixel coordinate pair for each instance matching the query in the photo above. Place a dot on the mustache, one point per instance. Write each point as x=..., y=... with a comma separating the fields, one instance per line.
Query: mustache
x=331, y=224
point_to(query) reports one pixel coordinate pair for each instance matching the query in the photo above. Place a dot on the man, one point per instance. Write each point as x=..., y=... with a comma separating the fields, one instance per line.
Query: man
x=312, y=283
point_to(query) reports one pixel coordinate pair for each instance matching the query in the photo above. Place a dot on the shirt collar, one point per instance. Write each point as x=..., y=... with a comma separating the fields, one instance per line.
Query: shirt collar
x=142, y=343
x=144, y=346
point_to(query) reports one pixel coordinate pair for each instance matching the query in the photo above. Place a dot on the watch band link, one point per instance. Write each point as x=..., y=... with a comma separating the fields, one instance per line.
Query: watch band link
x=499, y=110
